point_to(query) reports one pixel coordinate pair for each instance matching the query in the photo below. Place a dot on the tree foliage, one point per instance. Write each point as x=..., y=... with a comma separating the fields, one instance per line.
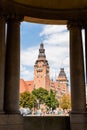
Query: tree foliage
x=27, y=100
x=51, y=100
x=37, y=97
x=65, y=102
x=40, y=94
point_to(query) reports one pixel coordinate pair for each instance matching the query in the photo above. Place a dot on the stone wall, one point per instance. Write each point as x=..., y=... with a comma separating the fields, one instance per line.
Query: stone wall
x=46, y=123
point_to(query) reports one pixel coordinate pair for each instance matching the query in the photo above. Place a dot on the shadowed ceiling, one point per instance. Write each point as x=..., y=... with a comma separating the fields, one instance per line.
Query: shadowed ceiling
x=46, y=11
x=55, y=4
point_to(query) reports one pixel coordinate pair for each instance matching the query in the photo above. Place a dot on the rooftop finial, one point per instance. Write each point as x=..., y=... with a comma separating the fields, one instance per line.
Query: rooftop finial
x=41, y=46
x=41, y=51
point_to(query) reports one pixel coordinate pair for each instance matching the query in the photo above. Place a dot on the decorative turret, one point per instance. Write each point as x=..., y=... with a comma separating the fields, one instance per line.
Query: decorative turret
x=62, y=73
x=62, y=82
x=42, y=56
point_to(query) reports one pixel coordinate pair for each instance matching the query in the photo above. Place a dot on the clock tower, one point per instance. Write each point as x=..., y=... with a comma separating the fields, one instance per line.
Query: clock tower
x=41, y=70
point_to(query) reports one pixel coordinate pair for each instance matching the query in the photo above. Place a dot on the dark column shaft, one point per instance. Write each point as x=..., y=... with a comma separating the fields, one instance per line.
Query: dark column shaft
x=86, y=51
x=2, y=62
x=78, y=97
x=12, y=74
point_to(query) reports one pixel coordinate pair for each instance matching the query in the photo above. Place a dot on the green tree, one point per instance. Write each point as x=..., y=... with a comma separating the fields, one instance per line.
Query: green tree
x=65, y=102
x=51, y=100
x=27, y=100
x=40, y=94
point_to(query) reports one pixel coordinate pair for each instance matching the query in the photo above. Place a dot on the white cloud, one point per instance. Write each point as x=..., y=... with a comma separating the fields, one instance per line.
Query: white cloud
x=55, y=34
x=29, y=55
x=57, y=39
x=26, y=73
x=51, y=29
x=58, y=58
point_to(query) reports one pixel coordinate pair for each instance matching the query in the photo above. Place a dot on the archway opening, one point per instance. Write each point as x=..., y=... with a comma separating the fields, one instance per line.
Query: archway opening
x=55, y=39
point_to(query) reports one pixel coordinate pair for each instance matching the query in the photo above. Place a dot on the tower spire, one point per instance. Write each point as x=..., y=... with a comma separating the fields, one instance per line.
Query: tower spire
x=41, y=51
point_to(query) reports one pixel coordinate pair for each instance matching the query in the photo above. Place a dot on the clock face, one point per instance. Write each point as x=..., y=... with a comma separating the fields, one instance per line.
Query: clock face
x=39, y=69
x=40, y=64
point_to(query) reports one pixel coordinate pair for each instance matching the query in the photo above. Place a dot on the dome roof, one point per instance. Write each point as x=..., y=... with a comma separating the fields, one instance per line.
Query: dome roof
x=62, y=73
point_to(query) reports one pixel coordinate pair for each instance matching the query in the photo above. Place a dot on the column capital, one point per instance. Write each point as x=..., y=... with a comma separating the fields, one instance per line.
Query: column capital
x=15, y=18
x=74, y=24
x=2, y=17
x=85, y=25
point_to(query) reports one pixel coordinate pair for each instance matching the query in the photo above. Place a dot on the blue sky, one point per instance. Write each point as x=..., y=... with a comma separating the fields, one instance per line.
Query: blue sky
x=56, y=43
x=30, y=34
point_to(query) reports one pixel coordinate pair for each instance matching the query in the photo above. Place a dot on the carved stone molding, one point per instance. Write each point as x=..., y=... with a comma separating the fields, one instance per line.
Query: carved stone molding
x=85, y=24
x=15, y=18
x=2, y=17
x=74, y=24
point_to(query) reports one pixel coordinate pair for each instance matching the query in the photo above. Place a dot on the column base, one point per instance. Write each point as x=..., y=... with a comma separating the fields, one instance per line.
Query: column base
x=78, y=121
x=12, y=112
x=2, y=112
x=11, y=122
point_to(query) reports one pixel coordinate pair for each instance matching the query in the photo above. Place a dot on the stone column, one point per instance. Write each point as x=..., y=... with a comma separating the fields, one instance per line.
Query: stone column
x=78, y=98
x=77, y=68
x=2, y=62
x=85, y=27
x=12, y=74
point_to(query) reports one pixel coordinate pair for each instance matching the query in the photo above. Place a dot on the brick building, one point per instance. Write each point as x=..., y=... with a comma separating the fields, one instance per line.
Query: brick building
x=41, y=70
x=42, y=77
